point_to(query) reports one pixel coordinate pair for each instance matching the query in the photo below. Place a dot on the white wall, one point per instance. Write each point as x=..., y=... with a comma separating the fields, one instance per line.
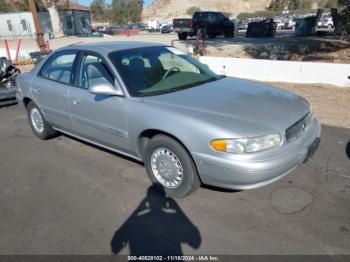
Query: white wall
x=280, y=71
x=17, y=28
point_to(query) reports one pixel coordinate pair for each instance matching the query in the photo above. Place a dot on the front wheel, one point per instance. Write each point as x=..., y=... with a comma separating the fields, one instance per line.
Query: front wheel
x=169, y=164
x=182, y=36
x=41, y=128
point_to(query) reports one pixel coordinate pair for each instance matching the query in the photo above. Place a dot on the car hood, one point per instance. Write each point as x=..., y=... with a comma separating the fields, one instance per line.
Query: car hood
x=248, y=107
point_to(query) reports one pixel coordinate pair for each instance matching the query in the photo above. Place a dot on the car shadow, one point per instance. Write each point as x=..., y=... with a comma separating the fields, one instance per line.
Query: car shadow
x=347, y=150
x=158, y=226
x=218, y=189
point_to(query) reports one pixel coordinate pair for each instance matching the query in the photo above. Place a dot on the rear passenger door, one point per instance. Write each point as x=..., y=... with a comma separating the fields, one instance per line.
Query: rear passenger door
x=50, y=88
x=98, y=118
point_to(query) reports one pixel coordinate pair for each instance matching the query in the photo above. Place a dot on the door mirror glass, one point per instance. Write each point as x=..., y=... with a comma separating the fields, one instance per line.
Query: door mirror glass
x=105, y=89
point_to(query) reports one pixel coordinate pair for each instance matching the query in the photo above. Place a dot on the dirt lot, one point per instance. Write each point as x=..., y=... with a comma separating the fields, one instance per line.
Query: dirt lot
x=285, y=46
x=330, y=104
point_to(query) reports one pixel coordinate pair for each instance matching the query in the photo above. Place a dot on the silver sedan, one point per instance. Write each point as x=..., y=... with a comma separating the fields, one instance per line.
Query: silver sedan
x=157, y=105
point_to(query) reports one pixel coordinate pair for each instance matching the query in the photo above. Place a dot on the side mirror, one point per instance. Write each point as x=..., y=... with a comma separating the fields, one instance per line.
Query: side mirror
x=106, y=89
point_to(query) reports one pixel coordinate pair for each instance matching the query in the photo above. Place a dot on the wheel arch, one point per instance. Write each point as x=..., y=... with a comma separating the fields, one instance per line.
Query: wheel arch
x=146, y=135
x=26, y=101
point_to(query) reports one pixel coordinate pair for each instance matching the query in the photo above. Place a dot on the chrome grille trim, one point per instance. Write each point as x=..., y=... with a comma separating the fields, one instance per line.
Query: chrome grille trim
x=295, y=131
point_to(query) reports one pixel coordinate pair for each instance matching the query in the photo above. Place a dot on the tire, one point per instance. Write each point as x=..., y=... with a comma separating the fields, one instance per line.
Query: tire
x=161, y=147
x=229, y=34
x=45, y=131
x=182, y=36
x=211, y=35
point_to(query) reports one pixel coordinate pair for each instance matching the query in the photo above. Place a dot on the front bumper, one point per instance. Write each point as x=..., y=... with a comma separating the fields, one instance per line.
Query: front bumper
x=257, y=170
x=184, y=30
x=7, y=96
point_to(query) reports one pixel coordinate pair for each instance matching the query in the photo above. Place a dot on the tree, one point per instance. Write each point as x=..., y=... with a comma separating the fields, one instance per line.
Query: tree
x=134, y=11
x=4, y=6
x=118, y=11
x=124, y=11
x=331, y=4
x=190, y=11
x=278, y=5
x=55, y=19
x=344, y=16
x=98, y=10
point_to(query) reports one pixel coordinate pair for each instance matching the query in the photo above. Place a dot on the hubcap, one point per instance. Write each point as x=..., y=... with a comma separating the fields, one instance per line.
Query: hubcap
x=37, y=120
x=166, y=167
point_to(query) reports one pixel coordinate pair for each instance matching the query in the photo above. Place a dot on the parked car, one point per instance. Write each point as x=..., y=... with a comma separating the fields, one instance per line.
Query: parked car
x=153, y=26
x=114, y=29
x=279, y=24
x=166, y=29
x=157, y=105
x=290, y=24
x=101, y=28
x=213, y=23
x=325, y=22
x=8, y=87
x=142, y=27
x=243, y=25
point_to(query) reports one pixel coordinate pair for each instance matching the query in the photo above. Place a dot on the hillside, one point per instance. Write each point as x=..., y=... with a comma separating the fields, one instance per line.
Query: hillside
x=169, y=9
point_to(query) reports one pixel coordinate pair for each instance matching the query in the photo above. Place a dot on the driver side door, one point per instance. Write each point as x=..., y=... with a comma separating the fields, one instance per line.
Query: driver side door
x=98, y=118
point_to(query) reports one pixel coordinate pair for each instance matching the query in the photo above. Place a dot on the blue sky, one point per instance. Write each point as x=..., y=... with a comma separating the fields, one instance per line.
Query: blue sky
x=87, y=2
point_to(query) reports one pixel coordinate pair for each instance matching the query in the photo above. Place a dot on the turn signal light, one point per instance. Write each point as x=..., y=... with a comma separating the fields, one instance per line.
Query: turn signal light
x=219, y=145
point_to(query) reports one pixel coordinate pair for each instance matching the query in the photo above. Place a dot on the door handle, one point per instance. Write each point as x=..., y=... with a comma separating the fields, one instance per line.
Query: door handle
x=76, y=102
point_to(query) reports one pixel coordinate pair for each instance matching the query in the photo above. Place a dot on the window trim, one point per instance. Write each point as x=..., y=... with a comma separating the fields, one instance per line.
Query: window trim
x=78, y=65
x=54, y=56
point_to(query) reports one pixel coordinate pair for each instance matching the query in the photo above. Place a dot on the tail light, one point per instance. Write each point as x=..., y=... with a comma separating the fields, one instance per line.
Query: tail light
x=191, y=23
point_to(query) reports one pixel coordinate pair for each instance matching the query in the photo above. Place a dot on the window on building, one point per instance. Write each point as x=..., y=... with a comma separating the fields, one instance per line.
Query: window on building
x=69, y=22
x=83, y=21
x=9, y=25
x=24, y=25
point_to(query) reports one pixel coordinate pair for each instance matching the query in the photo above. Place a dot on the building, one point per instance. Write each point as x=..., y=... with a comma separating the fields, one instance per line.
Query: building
x=17, y=25
x=20, y=25
x=74, y=22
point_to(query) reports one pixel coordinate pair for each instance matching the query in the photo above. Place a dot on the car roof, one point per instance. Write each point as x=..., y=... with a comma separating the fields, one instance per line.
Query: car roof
x=110, y=46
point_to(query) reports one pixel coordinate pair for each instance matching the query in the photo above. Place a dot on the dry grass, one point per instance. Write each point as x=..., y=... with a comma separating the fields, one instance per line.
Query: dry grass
x=330, y=104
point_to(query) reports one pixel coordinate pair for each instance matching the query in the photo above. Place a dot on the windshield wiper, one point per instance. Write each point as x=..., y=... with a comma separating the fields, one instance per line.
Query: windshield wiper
x=161, y=92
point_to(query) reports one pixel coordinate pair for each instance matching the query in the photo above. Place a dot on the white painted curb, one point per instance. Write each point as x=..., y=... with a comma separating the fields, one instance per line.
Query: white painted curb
x=280, y=71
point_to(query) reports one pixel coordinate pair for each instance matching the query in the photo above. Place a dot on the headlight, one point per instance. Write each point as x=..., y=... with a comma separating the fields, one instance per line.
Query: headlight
x=247, y=145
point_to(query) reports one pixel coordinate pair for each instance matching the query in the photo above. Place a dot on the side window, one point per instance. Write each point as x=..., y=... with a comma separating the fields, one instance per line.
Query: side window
x=59, y=68
x=221, y=17
x=93, y=71
x=212, y=17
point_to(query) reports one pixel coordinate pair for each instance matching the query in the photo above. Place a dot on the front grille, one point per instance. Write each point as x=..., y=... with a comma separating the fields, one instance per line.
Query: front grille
x=296, y=130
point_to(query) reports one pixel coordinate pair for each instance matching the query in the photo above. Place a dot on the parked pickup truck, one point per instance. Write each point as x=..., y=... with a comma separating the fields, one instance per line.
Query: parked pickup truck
x=213, y=24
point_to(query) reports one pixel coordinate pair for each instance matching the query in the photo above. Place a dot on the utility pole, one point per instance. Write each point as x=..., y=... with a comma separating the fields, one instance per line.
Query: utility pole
x=39, y=32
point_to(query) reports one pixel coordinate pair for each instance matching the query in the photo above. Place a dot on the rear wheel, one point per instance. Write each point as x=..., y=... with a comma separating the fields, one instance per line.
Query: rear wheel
x=229, y=33
x=169, y=164
x=182, y=36
x=41, y=128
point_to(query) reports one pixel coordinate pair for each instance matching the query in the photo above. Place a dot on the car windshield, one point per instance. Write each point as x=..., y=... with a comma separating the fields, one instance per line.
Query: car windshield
x=157, y=70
